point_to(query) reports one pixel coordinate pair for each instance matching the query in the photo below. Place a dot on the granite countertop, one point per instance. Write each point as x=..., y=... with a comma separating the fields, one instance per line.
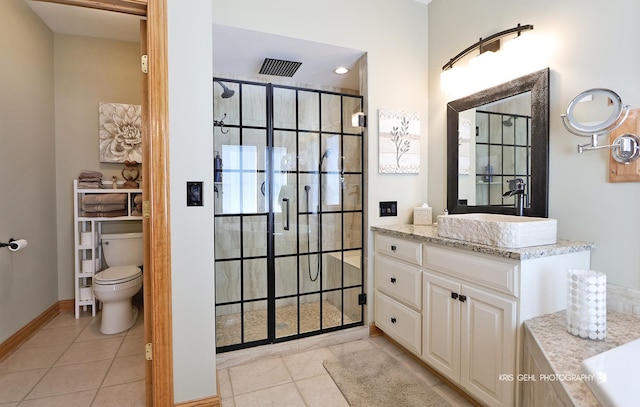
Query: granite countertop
x=565, y=352
x=429, y=234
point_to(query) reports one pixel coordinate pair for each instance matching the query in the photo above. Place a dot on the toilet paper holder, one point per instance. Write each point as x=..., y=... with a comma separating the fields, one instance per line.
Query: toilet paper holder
x=15, y=245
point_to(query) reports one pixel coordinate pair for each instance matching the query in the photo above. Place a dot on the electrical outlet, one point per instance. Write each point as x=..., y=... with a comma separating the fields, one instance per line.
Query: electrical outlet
x=389, y=208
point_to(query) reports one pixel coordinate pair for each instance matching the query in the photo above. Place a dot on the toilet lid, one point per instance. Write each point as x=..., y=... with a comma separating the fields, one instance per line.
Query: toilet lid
x=120, y=274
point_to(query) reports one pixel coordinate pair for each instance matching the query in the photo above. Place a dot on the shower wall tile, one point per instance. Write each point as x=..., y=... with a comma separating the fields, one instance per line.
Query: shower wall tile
x=229, y=247
x=227, y=276
x=284, y=108
x=308, y=108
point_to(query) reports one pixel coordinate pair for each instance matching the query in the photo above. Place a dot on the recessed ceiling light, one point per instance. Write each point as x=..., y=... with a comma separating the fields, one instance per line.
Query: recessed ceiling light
x=341, y=70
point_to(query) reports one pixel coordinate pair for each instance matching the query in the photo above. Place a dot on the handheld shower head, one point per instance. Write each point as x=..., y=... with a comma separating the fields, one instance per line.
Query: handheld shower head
x=226, y=92
x=326, y=154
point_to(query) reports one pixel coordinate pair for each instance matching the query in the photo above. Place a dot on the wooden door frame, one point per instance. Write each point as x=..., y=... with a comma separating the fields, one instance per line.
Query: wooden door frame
x=159, y=228
x=155, y=191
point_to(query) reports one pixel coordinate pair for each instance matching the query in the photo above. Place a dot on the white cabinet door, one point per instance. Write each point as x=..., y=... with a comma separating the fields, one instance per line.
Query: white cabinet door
x=488, y=339
x=441, y=336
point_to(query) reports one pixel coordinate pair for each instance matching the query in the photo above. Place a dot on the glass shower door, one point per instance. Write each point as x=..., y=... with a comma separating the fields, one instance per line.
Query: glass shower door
x=288, y=213
x=241, y=216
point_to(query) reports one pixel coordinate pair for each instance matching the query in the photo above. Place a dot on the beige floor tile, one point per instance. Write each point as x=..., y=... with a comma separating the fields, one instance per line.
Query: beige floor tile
x=80, y=399
x=53, y=336
x=386, y=345
x=88, y=351
x=14, y=386
x=225, y=403
x=286, y=395
x=307, y=364
x=225, y=383
x=138, y=327
x=350, y=347
x=321, y=391
x=451, y=396
x=68, y=320
x=125, y=370
x=258, y=375
x=12, y=404
x=132, y=345
x=71, y=378
x=122, y=395
x=32, y=358
x=92, y=331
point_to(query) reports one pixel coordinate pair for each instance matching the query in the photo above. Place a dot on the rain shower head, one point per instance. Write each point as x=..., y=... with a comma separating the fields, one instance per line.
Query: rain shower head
x=226, y=92
x=508, y=122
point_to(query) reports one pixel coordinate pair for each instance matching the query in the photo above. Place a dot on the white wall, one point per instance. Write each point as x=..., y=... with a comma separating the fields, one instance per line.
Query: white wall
x=191, y=159
x=393, y=34
x=595, y=44
x=28, y=278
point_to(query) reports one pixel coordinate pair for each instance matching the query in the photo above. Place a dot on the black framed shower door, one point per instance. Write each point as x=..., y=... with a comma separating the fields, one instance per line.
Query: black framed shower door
x=288, y=190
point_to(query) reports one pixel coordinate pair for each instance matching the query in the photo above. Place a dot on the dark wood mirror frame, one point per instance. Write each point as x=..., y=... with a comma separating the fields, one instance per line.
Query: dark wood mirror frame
x=538, y=84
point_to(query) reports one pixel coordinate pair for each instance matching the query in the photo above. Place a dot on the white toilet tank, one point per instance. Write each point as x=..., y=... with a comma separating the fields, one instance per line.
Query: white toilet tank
x=122, y=249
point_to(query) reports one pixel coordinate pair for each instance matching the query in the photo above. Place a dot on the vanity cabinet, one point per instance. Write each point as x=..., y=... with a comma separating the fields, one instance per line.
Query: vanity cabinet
x=398, y=296
x=470, y=336
x=473, y=301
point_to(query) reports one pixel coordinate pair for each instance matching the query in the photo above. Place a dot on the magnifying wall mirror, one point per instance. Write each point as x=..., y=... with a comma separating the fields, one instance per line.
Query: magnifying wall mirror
x=596, y=112
x=498, y=138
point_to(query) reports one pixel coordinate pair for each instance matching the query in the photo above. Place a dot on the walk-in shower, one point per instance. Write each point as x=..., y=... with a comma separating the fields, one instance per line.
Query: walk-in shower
x=288, y=213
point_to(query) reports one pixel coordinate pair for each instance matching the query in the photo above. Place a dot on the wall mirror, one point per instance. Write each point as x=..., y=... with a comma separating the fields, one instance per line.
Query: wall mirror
x=495, y=136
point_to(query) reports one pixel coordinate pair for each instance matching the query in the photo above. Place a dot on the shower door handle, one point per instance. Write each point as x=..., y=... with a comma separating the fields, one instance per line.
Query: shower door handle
x=286, y=219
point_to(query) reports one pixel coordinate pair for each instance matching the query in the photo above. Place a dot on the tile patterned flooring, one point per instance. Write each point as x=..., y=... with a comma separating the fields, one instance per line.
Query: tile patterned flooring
x=70, y=363
x=300, y=380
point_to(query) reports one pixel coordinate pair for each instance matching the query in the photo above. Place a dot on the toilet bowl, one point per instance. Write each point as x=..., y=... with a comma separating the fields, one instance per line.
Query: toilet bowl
x=115, y=286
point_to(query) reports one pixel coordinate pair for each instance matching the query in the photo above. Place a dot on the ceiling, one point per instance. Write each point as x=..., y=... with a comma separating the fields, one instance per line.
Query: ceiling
x=240, y=53
x=237, y=53
x=72, y=20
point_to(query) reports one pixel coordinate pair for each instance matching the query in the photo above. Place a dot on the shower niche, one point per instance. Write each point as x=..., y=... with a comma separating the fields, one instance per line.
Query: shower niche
x=288, y=188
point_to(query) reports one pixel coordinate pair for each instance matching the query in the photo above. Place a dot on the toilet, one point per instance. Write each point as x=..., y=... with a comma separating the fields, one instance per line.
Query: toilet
x=116, y=285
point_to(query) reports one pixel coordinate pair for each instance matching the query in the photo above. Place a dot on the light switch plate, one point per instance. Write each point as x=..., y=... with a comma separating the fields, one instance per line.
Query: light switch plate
x=389, y=208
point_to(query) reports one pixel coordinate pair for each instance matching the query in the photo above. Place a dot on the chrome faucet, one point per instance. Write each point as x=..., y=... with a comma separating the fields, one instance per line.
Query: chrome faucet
x=516, y=188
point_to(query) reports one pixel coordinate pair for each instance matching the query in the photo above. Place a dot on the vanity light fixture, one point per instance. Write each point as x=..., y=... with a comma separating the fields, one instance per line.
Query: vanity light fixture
x=491, y=43
x=341, y=70
x=487, y=68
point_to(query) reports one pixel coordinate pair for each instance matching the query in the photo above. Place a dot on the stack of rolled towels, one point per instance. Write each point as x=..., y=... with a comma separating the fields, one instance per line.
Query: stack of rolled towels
x=104, y=205
x=90, y=179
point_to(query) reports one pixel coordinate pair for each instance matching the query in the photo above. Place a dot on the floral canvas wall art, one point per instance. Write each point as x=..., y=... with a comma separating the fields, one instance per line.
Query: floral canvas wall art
x=399, y=142
x=120, y=133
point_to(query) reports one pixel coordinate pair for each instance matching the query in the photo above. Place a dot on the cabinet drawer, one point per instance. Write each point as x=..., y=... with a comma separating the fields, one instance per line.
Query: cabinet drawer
x=493, y=273
x=399, y=248
x=399, y=280
x=399, y=322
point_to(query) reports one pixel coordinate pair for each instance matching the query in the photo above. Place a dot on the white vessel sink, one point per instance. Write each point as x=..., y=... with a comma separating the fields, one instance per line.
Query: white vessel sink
x=613, y=375
x=506, y=231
